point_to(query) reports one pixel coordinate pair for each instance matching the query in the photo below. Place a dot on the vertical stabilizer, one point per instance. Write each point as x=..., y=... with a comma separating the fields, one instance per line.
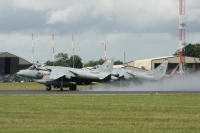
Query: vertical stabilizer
x=160, y=71
x=107, y=66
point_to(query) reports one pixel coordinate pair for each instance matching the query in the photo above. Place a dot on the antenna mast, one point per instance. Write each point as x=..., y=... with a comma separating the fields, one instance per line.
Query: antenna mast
x=182, y=42
x=73, y=51
x=32, y=50
x=105, y=49
x=53, y=47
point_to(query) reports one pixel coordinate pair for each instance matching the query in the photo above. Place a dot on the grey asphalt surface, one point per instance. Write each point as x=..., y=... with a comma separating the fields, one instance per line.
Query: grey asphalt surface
x=93, y=92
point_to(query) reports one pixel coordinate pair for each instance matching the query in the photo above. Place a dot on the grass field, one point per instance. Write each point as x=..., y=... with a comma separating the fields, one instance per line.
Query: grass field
x=100, y=113
x=28, y=86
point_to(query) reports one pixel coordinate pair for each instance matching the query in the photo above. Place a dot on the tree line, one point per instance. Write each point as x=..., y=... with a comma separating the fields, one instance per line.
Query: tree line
x=63, y=59
x=191, y=50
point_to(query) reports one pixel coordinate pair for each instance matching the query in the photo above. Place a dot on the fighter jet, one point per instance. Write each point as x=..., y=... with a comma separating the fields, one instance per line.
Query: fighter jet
x=60, y=77
x=138, y=77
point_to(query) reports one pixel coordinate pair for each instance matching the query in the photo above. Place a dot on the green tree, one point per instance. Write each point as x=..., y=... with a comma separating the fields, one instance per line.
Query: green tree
x=99, y=62
x=189, y=50
x=197, y=50
x=49, y=63
x=192, y=50
x=77, y=61
x=142, y=67
x=94, y=63
x=61, y=59
x=118, y=62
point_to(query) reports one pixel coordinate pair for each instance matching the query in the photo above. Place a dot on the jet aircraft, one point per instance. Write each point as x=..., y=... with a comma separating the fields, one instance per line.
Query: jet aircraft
x=60, y=77
x=138, y=77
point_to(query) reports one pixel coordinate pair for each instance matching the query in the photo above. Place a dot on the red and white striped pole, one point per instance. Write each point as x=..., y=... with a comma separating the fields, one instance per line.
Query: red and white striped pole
x=53, y=47
x=32, y=50
x=104, y=50
x=73, y=51
x=182, y=26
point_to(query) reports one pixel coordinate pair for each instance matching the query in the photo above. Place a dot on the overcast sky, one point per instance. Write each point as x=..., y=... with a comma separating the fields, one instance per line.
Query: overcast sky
x=141, y=28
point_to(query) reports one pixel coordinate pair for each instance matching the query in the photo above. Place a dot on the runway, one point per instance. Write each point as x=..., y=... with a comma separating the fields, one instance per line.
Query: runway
x=67, y=92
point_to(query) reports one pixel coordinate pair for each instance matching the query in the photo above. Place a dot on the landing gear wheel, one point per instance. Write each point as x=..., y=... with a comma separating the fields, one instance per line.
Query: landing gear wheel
x=61, y=85
x=72, y=87
x=48, y=87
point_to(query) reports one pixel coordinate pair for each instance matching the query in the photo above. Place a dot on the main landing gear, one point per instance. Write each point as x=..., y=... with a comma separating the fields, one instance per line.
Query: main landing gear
x=48, y=87
x=61, y=85
x=72, y=87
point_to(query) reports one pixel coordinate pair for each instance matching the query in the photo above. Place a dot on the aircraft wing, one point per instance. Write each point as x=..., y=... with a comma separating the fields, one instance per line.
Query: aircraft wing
x=59, y=72
x=121, y=73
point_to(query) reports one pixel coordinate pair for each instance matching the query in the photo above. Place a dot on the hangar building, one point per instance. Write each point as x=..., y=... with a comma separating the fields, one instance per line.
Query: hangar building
x=10, y=64
x=191, y=63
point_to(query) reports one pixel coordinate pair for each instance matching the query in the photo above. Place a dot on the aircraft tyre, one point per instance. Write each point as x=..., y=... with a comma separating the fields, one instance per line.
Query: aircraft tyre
x=72, y=87
x=61, y=89
x=48, y=87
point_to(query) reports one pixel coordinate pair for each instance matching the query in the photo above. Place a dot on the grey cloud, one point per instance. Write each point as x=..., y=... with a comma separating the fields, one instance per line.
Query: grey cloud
x=21, y=21
x=129, y=29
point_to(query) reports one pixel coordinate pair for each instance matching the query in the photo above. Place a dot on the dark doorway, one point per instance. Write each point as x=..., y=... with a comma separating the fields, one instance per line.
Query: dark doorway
x=7, y=66
x=156, y=65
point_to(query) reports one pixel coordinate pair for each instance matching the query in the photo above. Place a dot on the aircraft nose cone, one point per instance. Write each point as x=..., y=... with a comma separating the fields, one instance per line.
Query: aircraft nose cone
x=20, y=73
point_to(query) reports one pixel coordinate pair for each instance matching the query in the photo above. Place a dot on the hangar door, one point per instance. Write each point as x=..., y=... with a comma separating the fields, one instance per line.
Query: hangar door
x=7, y=66
x=156, y=65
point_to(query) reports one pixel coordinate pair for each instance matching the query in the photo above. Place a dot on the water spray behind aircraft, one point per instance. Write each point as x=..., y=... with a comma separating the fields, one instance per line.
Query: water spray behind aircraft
x=188, y=82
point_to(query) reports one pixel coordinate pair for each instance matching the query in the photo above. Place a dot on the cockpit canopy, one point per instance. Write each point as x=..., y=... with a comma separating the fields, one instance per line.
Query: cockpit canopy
x=34, y=66
x=96, y=67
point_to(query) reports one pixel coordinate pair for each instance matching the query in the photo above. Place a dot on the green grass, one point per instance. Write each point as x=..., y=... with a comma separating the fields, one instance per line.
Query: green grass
x=21, y=86
x=100, y=113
